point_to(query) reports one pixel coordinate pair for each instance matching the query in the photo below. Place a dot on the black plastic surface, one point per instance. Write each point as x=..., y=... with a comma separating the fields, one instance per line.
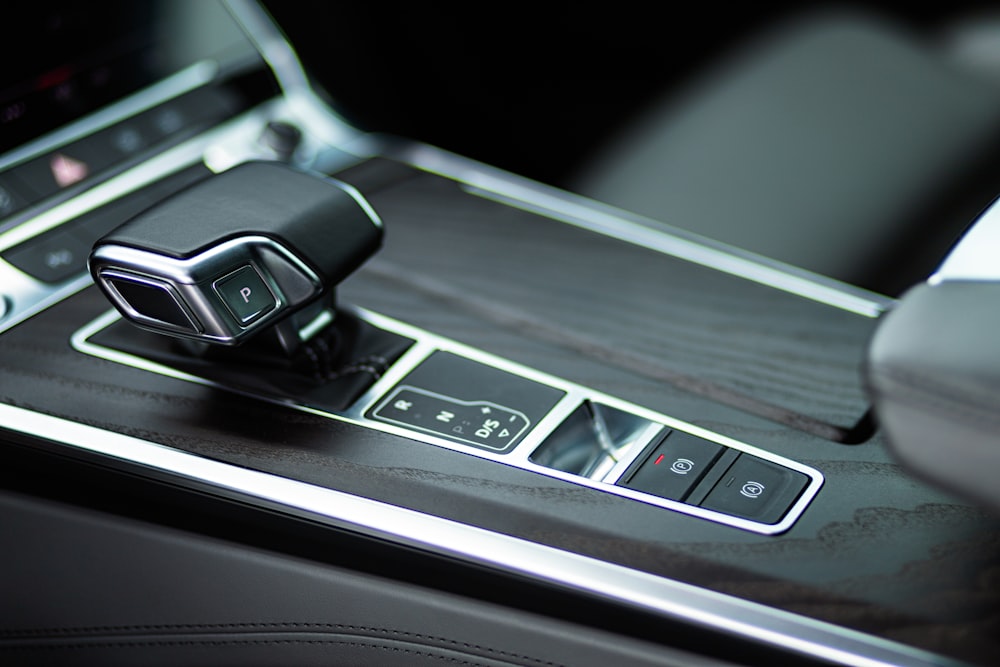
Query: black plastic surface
x=51, y=258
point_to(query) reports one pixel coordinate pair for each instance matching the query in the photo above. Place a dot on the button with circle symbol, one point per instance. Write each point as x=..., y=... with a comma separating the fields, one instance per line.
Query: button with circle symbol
x=673, y=468
x=682, y=466
x=756, y=489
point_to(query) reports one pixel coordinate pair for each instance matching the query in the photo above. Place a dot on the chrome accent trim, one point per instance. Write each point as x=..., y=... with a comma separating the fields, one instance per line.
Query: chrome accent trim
x=200, y=267
x=193, y=280
x=974, y=257
x=269, y=42
x=360, y=199
x=317, y=324
x=658, y=595
x=520, y=456
x=512, y=190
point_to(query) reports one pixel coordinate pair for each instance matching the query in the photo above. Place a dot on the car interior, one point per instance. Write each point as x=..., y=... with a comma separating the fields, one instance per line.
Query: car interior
x=360, y=334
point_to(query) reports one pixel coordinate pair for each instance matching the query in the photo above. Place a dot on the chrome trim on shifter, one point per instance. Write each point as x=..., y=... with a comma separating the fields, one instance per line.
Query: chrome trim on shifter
x=191, y=282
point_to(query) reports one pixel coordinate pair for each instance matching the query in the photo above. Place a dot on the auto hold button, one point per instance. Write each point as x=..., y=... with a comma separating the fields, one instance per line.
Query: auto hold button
x=756, y=489
x=674, y=466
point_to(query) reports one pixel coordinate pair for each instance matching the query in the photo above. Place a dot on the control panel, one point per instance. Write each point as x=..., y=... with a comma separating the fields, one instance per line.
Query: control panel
x=702, y=473
x=450, y=395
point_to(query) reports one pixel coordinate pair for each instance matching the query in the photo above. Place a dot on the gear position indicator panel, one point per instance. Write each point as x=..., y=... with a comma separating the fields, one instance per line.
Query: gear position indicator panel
x=465, y=401
x=477, y=423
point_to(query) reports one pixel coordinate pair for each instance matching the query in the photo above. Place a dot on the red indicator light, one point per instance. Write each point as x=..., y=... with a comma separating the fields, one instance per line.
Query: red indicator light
x=53, y=78
x=658, y=459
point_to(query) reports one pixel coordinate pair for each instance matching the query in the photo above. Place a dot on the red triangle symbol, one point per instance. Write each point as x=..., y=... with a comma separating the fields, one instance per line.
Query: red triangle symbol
x=67, y=170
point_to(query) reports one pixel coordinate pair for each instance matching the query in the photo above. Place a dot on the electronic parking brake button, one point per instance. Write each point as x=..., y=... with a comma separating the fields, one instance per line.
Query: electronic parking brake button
x=674, y=466
x=756, y=489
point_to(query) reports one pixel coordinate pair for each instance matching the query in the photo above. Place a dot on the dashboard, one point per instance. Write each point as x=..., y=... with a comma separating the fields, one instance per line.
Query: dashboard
x=532, y=428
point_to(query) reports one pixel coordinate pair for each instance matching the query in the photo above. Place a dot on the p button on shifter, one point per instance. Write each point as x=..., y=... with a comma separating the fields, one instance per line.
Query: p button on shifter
x=246, y=295
x=674, y=466
x=244, y=252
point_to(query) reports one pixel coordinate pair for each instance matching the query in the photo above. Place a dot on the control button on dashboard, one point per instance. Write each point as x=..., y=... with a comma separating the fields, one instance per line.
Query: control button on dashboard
x=674, y=466
x=756, y=489
x=124, y=140
x=51, y=258
x=65, y=167
x=246, y=295
x=186, y=114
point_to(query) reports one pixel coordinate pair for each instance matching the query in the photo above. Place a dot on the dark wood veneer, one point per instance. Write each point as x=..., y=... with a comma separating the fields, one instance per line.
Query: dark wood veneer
x=877, y=550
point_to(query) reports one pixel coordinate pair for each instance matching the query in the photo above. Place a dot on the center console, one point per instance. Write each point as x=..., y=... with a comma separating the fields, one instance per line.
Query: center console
x=512, y=378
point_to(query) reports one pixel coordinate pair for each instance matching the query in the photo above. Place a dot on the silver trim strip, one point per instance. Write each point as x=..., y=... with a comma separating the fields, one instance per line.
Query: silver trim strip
x=360, y=199
x=193, y=283
x=520, y=456
x=513, y=190
x=659, y=595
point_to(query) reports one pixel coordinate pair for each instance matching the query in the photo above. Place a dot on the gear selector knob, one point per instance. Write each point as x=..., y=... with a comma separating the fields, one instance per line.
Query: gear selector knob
x=237, y=253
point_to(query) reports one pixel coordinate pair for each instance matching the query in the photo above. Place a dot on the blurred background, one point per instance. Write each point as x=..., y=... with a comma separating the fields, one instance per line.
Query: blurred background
x=853, y=140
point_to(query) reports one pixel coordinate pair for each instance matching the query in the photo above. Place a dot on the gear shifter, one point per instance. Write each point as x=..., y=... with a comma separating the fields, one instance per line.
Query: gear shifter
x=235, y=255
x=239, y=272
